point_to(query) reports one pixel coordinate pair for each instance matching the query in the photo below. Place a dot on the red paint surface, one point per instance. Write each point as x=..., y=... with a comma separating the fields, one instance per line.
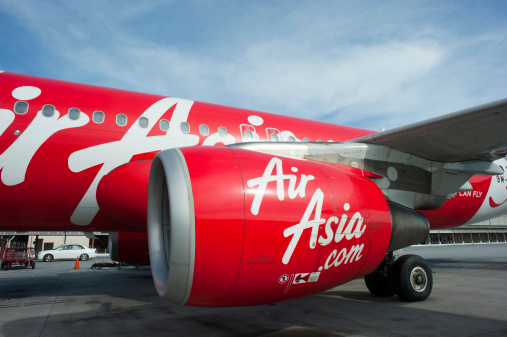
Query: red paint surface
x=462, y=207
x=121, y=194
x=133, y=247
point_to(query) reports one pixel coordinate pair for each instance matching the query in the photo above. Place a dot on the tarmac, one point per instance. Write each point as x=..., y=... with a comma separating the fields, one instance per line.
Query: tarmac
x=469, y=298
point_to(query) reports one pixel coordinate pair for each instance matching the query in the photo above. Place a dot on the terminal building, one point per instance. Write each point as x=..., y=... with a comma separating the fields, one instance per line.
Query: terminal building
x=490, y=231
x=50, y=240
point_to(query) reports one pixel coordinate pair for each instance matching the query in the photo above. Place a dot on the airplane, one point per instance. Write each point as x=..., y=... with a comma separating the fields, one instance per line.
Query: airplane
x=235, y=207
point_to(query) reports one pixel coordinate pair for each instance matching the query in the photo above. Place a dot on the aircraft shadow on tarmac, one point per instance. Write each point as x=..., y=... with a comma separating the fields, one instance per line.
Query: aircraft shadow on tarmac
x=114, y=302
x=58, y=278
x=330, y=314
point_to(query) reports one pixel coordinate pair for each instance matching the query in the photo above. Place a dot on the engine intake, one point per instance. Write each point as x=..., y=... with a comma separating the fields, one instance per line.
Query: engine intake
x=171, y=226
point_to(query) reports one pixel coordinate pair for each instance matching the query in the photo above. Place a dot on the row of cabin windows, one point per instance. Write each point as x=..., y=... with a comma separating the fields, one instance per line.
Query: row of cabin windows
x=98, y=117
x=48, y=110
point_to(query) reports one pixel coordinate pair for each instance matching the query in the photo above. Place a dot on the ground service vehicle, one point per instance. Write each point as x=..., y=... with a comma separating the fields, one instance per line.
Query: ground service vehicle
x=22, y=256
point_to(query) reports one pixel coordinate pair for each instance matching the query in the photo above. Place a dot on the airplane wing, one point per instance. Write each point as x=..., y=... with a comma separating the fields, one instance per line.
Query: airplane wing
x=420, y=165
x=478, y=133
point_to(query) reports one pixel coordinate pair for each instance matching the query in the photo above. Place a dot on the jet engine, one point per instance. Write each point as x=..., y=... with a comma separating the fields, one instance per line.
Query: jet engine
x=232, y=227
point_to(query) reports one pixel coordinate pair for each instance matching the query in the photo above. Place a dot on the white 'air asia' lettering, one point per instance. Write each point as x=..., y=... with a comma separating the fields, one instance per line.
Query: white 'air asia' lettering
x=135, y=141
x=347, y=229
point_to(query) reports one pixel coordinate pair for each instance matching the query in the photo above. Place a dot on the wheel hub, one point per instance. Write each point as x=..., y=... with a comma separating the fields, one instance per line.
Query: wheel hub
x=418, y=279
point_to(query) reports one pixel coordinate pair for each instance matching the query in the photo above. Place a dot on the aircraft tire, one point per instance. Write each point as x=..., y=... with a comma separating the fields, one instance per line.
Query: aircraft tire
x=412, y=278
x=378, y=284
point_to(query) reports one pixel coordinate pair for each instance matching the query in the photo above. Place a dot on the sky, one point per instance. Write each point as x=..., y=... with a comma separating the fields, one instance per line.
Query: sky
x=369, y=64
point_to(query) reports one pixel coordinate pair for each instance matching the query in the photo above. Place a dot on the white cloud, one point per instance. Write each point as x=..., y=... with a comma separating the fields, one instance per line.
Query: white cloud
x=369, y=66
x=306, y=85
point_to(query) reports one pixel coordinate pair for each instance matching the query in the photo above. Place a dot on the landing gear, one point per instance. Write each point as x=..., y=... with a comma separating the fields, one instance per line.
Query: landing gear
x=409, y=277
x=378, y=282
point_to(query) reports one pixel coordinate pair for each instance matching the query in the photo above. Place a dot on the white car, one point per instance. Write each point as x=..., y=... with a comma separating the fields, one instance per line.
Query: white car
x=67, y=252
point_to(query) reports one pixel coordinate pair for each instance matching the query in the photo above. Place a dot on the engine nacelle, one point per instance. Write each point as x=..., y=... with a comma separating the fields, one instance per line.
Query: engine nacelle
x=129, y=247
x=231, y=227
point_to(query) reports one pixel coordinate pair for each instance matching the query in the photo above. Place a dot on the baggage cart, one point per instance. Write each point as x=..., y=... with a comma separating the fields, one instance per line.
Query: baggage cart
x=23, y=256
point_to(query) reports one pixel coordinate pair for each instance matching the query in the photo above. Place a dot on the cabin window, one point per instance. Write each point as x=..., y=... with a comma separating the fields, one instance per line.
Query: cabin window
x=185, y=127
x=48, y=110
x=121, y=119
x=273, y=137
x=20, y=107
x=222, y=132
x=306, y=140
x=74, y=113
x=164, y=124
x=98, y=117
x=292, y=139
x=203, y=130
x=248, y=136
x=143, y=122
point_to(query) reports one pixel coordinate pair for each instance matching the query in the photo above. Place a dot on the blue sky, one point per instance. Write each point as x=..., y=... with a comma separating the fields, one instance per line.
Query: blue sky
x=370, y=64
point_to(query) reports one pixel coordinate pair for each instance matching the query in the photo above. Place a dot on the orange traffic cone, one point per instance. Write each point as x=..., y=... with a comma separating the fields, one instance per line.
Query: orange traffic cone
x=76, y=266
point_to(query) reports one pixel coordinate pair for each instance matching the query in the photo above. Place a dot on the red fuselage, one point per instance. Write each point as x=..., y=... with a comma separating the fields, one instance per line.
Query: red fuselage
x=59, y=139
